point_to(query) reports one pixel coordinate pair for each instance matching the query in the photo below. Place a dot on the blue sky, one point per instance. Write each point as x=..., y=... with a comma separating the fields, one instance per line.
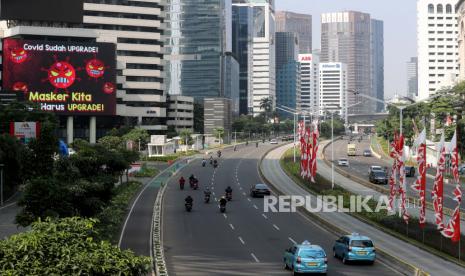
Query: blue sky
x=399, y=18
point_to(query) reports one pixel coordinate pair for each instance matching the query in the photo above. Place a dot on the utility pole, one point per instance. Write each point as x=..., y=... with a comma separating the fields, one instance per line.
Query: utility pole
x=1, y=184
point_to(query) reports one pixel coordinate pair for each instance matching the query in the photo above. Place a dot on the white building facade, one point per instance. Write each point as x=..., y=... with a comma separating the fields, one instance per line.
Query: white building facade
x=263, y=60
x=333, y=88
x=309, y=83
x=437, y=33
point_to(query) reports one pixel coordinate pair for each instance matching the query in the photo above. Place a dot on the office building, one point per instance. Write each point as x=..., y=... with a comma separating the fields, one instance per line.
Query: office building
x=377, y=62
x=217, y=114
x=231, y=82
x=298, y=23
x=309, y=83
x=242, y=47
x=412, y=78
x=333, y=87
x=135, y=27
x=287, y=71
x=346, y=38
x=180, y=112
x=460, y=8
x=197, y=38
x=437, y=33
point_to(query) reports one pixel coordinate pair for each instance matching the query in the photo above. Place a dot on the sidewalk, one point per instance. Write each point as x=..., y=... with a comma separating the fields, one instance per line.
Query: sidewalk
x=403, y=250
x=8, y=213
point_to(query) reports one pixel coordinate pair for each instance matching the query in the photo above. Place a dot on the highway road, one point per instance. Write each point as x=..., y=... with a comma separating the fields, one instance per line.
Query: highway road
x=244, y=240
x=359, y=165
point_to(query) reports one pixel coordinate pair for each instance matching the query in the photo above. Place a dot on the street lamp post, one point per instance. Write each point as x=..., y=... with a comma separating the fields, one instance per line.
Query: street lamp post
x=295, y=126
x=332, y=150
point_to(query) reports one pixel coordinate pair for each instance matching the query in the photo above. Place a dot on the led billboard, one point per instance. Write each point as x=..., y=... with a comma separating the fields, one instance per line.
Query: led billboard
x=63, y=77
x=70, y=11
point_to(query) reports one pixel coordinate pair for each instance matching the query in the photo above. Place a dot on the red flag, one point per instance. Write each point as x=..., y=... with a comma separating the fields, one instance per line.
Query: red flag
x=452, y=229
x=402, y=179
x=392, y=178
x=438, y=187
x=308, y=138
x=315, y=136
x=420, y=183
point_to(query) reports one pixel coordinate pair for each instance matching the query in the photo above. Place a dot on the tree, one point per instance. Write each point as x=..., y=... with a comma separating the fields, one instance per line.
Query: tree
x=11, y=152
x=267, y=105
x=112, y=142
x=186, y=137
x=219, y=132
x=198, y=118
x=338, y=126
x=136, y=135
x=66, y=247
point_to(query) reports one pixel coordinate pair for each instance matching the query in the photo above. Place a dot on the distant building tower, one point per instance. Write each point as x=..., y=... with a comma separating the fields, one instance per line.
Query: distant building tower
x=346, y=38
x=412, y=78
x=287, y=71
x=298, y=23
x=377, y=61
x=309, y=83
x=333, y=87
x=437, y=33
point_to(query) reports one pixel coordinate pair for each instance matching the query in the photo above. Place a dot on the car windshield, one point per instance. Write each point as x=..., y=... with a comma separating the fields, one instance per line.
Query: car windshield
x=376, y=168
x=379, y=174
x=261, y=186
x=367, y=151
x=308, y=253
x=343, y=160
x=361, y=243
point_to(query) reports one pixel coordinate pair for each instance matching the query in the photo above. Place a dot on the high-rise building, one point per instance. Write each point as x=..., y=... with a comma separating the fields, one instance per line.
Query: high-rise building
x=412, y=78
x=333, y=87
x=377, y=61
x=261, y=51
x=217, y=114
x=298, y=23
x=242, y=47
x=197, y=38
x=287, y=71
x=460, y=8
x=437, y=33
x=135, y=27
x=309, y=83
x=346, y=38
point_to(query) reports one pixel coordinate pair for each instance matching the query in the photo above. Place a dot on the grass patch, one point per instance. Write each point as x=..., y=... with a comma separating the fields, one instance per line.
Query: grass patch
x=429, y=239
x=112, y=217
x=146, y=171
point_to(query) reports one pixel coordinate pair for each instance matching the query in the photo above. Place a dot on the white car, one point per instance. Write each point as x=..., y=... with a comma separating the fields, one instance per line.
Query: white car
x=343, y=162
x=274, y=142
x=376, y=169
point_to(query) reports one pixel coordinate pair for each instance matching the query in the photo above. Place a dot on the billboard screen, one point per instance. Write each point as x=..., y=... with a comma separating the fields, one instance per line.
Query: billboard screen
x=63, y=77
x=42, y=10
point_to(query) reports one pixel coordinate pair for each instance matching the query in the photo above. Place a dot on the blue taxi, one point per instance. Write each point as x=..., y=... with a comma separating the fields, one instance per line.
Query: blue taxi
x=354, y=247
x=306, y=258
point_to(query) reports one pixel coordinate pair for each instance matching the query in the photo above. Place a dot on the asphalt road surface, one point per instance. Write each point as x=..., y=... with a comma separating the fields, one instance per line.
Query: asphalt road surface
x=359, y=165
x=244, y=240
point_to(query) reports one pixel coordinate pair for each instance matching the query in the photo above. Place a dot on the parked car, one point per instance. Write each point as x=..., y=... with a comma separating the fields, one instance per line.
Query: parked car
x=259, y=190
x=378, y=177
x=343, y=162
x=306, y=258
x=409, y=171
x=354, y=247
x=367, y=153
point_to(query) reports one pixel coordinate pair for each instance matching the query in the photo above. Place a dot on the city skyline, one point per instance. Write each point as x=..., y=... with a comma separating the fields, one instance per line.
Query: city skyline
x=396, y=54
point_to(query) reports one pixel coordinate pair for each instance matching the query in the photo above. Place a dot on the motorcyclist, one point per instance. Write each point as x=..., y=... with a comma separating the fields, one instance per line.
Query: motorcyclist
x=228, y=190
x=204, y=162
x=247, y=143
x=215, y=163
x=223, y=201
x=207, y=192
x=211, y=159
x=182, y=181
x=219, y=153
x=189, y=200
x=256, y=144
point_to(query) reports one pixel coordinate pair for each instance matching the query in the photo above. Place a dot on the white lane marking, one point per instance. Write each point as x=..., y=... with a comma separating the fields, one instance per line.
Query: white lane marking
x=244, y=194
x=225, y=216
x=276, y=227
x=254, y=257
x=242, y=241
x=232, y=226
x=255, y=206
x=263, y=215
x=249, y=200
x=240, y=188
x=293, y=241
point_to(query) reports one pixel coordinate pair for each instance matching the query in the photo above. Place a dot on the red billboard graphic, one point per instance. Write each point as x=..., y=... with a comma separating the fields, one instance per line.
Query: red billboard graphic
x=63, y=77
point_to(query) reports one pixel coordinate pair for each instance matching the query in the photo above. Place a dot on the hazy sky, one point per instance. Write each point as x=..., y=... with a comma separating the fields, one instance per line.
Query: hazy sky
x=399, y=18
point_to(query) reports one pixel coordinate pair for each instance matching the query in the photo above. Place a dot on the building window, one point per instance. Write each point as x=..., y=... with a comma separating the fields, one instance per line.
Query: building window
x=439, y=9
x=430, y=8
x=449, y=8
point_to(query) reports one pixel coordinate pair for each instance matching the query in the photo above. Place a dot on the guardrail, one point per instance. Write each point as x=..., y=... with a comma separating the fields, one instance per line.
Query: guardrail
x=389, y=259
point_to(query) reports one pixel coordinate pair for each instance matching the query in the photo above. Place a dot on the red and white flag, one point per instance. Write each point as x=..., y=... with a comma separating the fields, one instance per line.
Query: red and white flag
x=402, y=179
x=393, y=176
x=420, y=183
x=303, y=149
x=452, y=229
x=315, y=136
x=438, y=187
x=308, y=140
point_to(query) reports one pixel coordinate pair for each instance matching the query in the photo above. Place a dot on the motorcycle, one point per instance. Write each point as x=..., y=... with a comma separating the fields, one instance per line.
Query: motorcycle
x=229, y=196
x=219, y=154
x=191, y=182
x=207, y=198
x=181, y=185
x=195, y=185
x=215, y=165
x=188, y=206
x=204, y=163
x=222, y=208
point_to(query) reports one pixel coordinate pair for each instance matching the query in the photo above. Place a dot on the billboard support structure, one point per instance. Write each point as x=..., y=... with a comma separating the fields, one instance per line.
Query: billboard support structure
x=70, y=130
x=93, y=130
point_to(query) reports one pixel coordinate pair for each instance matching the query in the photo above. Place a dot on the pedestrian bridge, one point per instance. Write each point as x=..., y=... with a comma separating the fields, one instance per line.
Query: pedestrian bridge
x=366, y=118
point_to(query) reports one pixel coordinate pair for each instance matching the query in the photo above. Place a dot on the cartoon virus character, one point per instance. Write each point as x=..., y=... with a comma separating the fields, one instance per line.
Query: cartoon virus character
x=20, y=86
x=18, y=55
x=95, y=68
x=61, y=74
x=108, y=88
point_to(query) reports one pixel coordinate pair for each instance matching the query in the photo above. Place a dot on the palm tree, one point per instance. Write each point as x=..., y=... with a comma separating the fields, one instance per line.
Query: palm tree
x=219, y=132
x=267, y=105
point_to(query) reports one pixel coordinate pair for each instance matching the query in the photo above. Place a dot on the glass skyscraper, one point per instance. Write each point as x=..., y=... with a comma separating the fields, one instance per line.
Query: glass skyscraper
x=196, y=39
